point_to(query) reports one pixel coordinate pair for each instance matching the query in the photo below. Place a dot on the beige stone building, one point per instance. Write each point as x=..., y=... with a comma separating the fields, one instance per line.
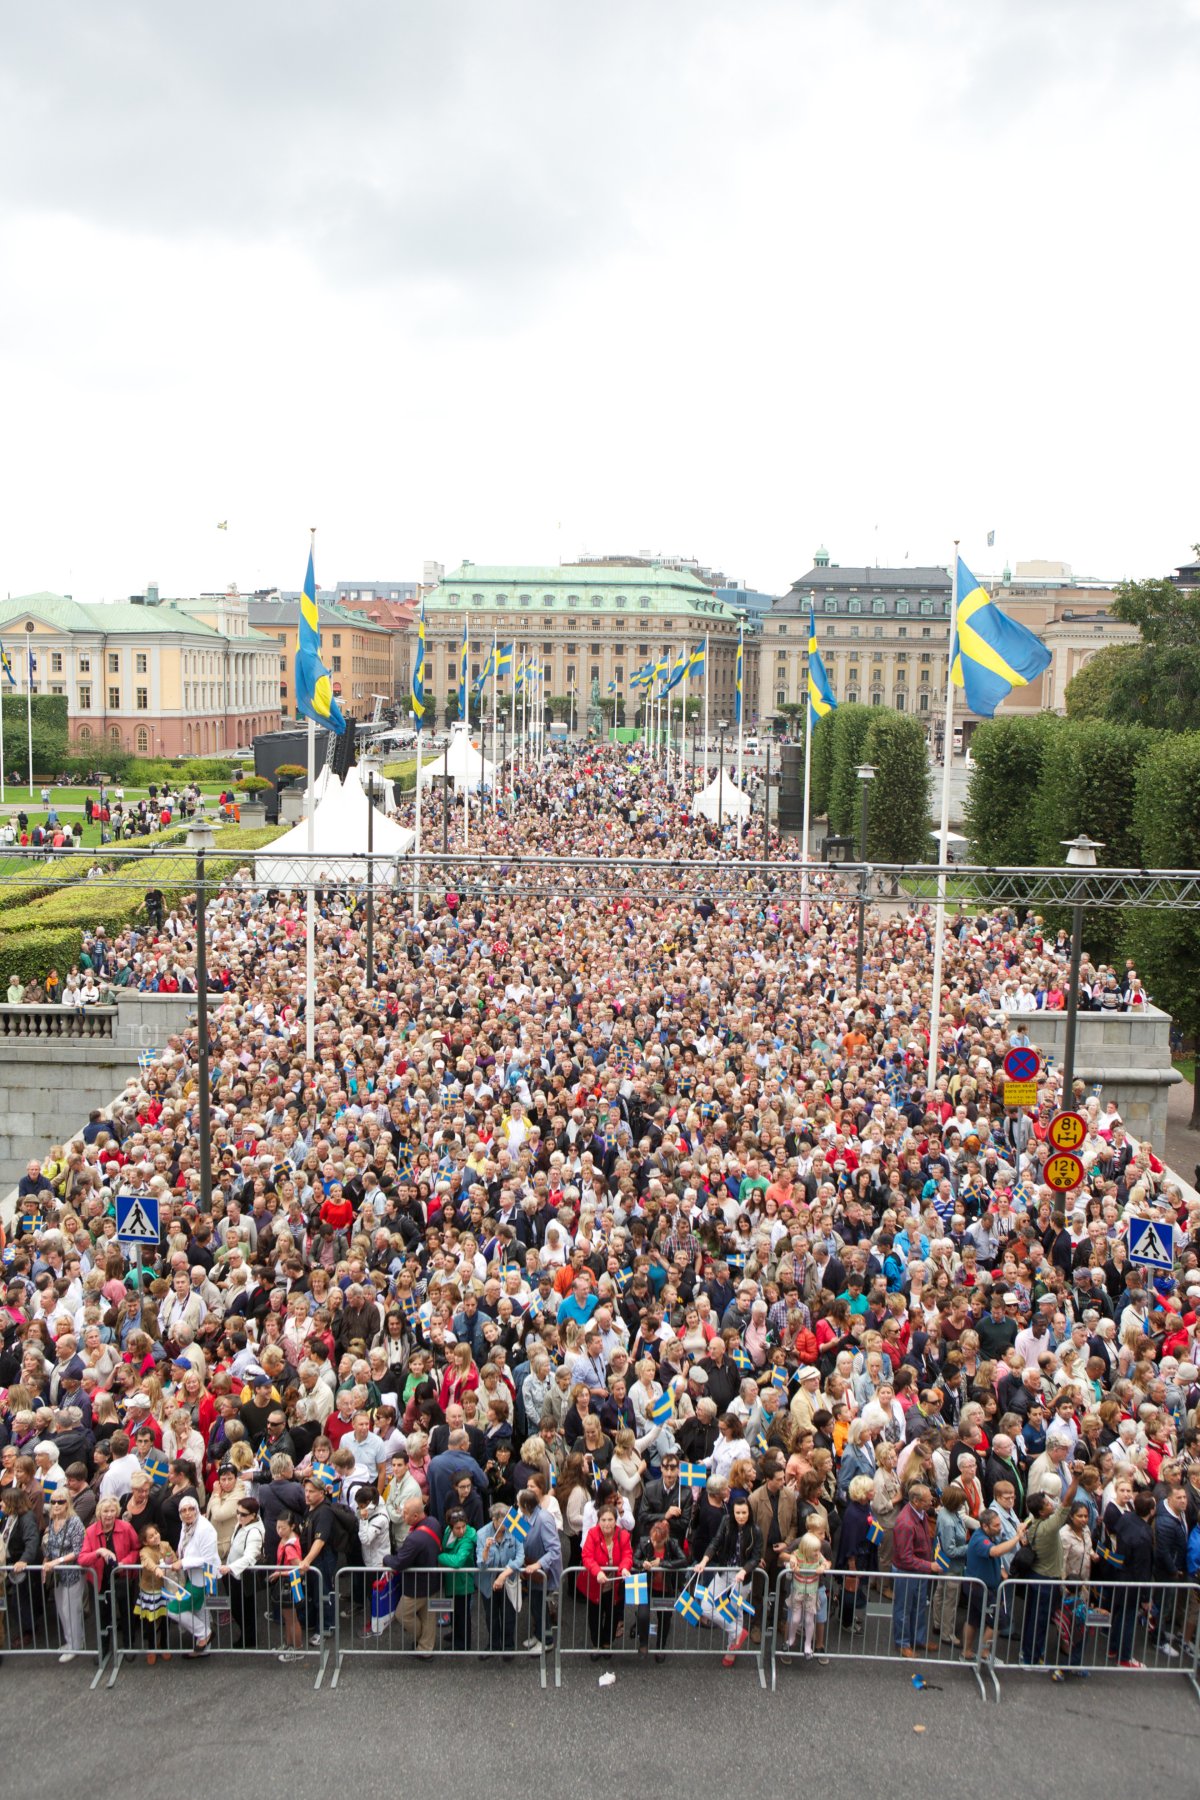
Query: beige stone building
x=158, y=678
x=883, y=635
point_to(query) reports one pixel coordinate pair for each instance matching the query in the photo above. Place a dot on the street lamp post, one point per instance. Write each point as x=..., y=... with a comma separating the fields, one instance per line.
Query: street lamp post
x=1081, y=854
x=866, y=775
x=200, y=838
x=501, y=741
x=722, y=728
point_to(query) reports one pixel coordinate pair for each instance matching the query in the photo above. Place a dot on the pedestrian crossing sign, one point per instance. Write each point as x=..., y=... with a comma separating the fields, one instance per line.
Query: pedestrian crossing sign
x=137, y=1219
x=1150, y=1243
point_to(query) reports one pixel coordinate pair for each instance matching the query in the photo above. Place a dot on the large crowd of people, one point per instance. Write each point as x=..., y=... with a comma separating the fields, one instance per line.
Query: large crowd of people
x=611, y=1230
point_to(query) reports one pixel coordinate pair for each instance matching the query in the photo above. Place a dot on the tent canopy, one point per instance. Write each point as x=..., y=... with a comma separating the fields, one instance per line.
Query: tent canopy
x=463, y=763
x=339, y=836
x=722, y=798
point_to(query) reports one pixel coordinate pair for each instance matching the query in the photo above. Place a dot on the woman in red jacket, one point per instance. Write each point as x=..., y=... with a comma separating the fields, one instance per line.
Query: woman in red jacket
x=607, y=1559
x=460, y=1375
x=111, y=1542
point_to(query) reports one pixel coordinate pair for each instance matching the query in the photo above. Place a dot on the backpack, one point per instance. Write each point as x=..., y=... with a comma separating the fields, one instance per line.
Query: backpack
x=346, y=1542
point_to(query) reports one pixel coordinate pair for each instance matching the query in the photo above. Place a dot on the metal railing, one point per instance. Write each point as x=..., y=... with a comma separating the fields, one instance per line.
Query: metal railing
x=254, y=1616
x=1078, y=1629
x=888, y=1617
x=612, y=1629
x=381, y=1615
x=43, y=1612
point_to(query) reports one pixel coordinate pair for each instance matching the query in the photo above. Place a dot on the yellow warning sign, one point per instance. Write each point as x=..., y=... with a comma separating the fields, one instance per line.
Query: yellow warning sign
x=1020, y=1093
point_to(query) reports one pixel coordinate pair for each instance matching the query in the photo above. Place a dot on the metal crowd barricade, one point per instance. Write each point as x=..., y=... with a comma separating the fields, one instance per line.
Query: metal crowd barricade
x=855, y=1623
x=1077, y=1629
x=256, y=1616
x=418, y=1613
x=614, y=1636
x=31, y=1621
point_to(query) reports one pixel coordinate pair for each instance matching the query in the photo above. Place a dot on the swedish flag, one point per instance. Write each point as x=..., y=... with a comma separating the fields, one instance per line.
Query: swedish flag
x=325, y=1475
x=992, y=653
x=296, y=1587
x=6, y=665
x=940, y=1559
x=677, y=672
x=463, y=703
x=820, y=694
x=779, y=1379
x=519, y=677
x=741, y=1359
x=503, y=660
x=612, y=687
x=486, y=671
x=874, y=1531
x=516, y=1524
x=737, y=683
x=696, y=660
x=157, y=1468
x=693, y=1475
x=662, y=1408
x=637, y=1590
x=212, y=1585
x=418, y=672
x=688, y=1608
x=314, y=690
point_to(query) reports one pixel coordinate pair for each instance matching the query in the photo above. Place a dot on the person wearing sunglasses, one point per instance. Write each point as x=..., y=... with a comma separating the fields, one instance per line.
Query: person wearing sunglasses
x=61, y=1544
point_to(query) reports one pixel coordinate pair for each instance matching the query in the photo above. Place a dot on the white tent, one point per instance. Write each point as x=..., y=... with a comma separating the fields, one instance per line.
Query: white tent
x=722, y=798
x=463, y=763
x=339, y=837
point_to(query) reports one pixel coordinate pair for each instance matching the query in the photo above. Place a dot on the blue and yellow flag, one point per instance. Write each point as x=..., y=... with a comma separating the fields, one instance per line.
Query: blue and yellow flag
x=418, y=671
x=212, y=1582
x=6, y=665
x=516, y=1524
x=741, y=1359
x=693, y=1475
x=519, y=676
x=737, y=683
x=482, y=678
x=940, y=1559
x=676, y=674
x=820, y=693
x=637, y=1590
x=688, y=1608
x=296, y=1587
x=993, y=654
x=157, y=1468
x=612, y=687
x=503, y=660
x=696, y=660
x=874, y=1531
x=662, y=1408
x=314, y=690
x=641, y=678
x=463, y=698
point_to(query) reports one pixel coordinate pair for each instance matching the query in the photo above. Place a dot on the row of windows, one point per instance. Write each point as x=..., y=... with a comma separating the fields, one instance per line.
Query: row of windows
x=501, y=600
x=141, y=698
x=927, y=608
x=901, y=631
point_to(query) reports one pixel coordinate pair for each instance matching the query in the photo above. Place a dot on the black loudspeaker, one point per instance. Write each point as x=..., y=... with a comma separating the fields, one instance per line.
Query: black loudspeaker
x=791, y=788
x=342, y=760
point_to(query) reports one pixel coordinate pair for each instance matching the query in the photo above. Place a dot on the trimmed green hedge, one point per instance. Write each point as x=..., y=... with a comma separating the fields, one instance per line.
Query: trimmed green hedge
x=58, y=921
x=22, y=881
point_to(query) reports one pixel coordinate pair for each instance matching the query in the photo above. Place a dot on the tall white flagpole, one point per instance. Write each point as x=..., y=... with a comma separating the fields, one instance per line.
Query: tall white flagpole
x=704, y=783
x=495, y=765
x=310, y=911
x=808, y=735
x=513, y=732
x=3, y=679
x=939, y=916
x=29, y=707
x=417, y=845
x=741, y=712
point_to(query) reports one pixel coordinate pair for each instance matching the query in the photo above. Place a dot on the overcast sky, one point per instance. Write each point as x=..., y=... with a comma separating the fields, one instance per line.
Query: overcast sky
x=515, y=281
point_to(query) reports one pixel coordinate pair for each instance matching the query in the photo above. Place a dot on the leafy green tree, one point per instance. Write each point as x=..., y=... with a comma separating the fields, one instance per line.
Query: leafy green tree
x=898, y=803
x=1165, y=946
x=1087, y=783
x=850, y=727
x=1006, y=767
x=1089, y=694
x=49, y=721
x=822, y=764
x=1161, y=684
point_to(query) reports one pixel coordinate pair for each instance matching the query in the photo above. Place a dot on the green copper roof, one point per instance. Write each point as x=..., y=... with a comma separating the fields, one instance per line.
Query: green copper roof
x=667, y=590
x=119, y=618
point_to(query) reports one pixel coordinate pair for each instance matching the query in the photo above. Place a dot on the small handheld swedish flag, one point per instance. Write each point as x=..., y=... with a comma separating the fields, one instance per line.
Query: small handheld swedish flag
x=940, y=1559
x=157, y=1468
x=296, y=1587
x=741, y=1358
x=637, y=1590
x=688, y=1608
x=662, y=1408
x=693, y=1475
x=874, y=1531
x=212, y=1585
x=516, y=1524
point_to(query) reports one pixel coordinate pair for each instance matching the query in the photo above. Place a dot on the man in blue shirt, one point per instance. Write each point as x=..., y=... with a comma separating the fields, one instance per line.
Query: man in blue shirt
x=984, y=1552
x=543, y=1562
x=580, y=1303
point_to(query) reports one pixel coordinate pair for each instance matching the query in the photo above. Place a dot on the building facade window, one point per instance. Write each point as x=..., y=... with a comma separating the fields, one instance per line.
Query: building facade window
x=114, y=699
x=139, y=663
x=142, y=740
x=85, y=697
x=56, y=662
x=141, y=699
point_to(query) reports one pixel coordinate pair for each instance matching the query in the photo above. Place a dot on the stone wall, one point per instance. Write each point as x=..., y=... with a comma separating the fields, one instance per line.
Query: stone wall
x=1127, y=1054
x=58, y=1065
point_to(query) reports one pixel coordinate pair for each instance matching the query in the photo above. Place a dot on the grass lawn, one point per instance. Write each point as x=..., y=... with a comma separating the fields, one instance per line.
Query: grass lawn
x=16, y=794
x=1187, y=1068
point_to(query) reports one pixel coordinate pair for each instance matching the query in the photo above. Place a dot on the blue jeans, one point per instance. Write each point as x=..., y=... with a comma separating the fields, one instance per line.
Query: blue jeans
x=910, y=1612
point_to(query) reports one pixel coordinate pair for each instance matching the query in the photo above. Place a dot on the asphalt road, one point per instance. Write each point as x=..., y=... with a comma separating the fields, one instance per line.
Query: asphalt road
x=444, y=1731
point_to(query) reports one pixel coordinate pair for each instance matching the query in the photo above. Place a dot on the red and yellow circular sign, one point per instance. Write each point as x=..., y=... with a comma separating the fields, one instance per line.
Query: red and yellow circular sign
x=1063, y=1171
x=1067, y=1130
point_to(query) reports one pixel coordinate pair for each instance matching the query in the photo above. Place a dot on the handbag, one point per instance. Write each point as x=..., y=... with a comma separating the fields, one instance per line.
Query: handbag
x=1024, y=1562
